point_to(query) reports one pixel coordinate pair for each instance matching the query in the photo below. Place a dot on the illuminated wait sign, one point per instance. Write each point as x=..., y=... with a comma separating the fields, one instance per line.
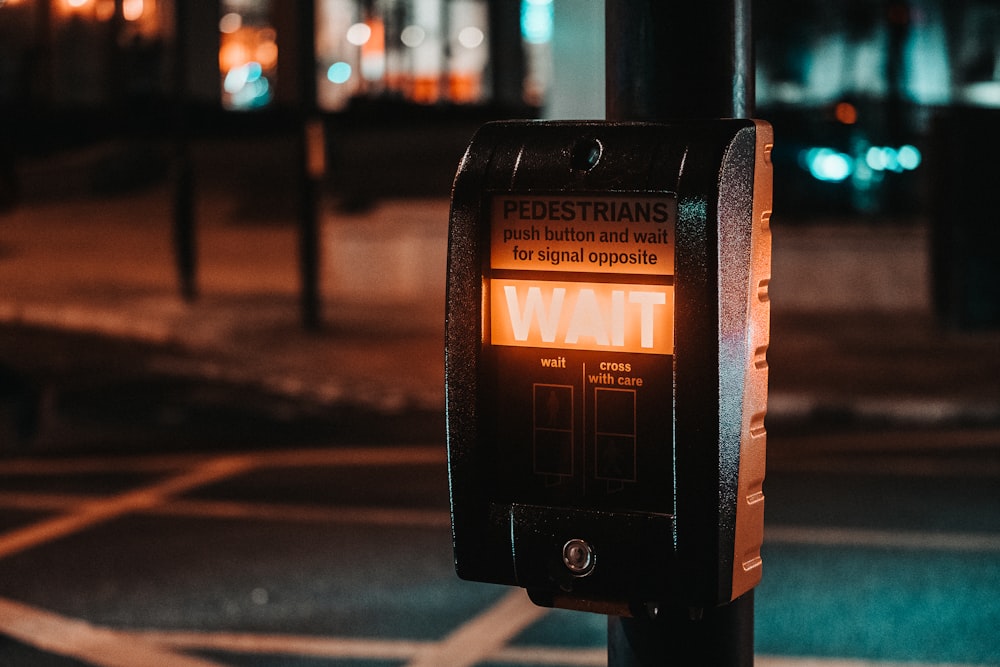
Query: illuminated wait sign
x=613, y=317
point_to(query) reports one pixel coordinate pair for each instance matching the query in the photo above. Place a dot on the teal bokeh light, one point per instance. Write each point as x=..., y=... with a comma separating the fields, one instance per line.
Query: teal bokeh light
x=537, y=20
x=339, y=72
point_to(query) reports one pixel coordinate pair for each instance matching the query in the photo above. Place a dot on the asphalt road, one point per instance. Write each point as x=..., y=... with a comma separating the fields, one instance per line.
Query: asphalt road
x=153, y=518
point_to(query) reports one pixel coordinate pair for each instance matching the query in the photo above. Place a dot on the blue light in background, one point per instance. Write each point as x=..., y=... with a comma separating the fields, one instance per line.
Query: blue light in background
x=339, y=72
x=887, y=158
x=537, y=19
x=247, y=87
x=826, y=164
x=239, y=77
x=882, y=158
x=909, y=157
x=832, y=166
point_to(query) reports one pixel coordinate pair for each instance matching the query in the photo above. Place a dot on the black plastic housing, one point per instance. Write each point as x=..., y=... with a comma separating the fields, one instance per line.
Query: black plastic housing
x=692, y=535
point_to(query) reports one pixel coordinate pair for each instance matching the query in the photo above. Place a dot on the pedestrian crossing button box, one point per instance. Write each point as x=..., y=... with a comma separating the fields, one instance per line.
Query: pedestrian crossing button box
x=606, y=334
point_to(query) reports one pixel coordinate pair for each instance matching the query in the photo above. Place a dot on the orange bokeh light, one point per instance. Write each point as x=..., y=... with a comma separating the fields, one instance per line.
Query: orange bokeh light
x=846, y=113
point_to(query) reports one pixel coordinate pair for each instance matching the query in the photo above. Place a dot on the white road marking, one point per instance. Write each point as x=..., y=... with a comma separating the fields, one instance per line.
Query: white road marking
x=329, y=456
x=484, y=635
x=543, y=655
x=343, y=514
x=900, y=539
x=45, y=502
x=433, y=518
x=297, y=645
x=353, y=456
x=361, y=648
x=891, y=466
x=96, y=511
x=77, y=639
x=782, y=661
x=228, y=509
x=483, y=638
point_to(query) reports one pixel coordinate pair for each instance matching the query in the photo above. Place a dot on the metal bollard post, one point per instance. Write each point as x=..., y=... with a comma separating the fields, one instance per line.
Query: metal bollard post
x=184, y=220
x=311, y=167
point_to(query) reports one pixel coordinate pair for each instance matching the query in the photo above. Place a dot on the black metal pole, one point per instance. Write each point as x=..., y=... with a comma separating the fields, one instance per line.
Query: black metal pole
x=721, y=637
x=311, y=164
x=678, y=59
x=185, y=248
x=682, y=60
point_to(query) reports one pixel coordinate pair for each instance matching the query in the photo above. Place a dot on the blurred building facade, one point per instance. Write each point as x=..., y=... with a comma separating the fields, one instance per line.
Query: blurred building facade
x=85, y=52
x=855, y=89
x=89, y=53
x=852, y=86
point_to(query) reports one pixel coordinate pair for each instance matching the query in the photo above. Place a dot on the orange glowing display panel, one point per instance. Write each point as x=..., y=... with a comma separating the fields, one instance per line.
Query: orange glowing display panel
x=610, y=317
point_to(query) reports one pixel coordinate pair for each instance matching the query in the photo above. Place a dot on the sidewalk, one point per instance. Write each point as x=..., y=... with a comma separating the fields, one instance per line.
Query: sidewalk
x=106, y=267
x=852, y=334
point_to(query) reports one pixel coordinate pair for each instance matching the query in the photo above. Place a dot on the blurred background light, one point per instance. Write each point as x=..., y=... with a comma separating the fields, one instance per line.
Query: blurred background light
x=982, y=93
x=846, y=113
x=239, y=77
x=537, y=21
x=412, y=36
x=230, y=23
x=826, y=164
x=881, y=158
x=339, y=72
x=471, y=37
x=909, y=157
x=887, y=158
x=132, y=10
x=359, y=34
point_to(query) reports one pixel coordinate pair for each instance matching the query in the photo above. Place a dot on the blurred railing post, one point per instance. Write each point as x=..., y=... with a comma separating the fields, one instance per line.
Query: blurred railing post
x=507, y=64
x=311, y=159
x=185, y=248
x=678, y=59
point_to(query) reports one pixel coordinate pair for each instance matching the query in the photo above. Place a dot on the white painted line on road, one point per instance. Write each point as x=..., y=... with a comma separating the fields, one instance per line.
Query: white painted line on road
x=329, y=456
x=227, y=509
x=864, y=537
x=544, y=655
x=97, y=646
x=432, y=518
x=935, y=467
x=343, y=514
x=297, y=645
x=899, y=410
x=541, y=655
x=92, y=465
x=43, y=502
x=481, y=639
x=361, y=648
x=891, y=443
x=88, y=512
x=97, y=511
x=484, y=635
x=353, y=456
x=334, y=648
x=782, y=661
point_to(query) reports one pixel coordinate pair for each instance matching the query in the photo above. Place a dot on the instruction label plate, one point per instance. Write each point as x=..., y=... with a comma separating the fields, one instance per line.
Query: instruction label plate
x=592, y=234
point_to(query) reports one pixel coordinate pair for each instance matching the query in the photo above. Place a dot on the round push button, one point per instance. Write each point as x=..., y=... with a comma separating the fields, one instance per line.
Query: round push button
x=578, y=557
